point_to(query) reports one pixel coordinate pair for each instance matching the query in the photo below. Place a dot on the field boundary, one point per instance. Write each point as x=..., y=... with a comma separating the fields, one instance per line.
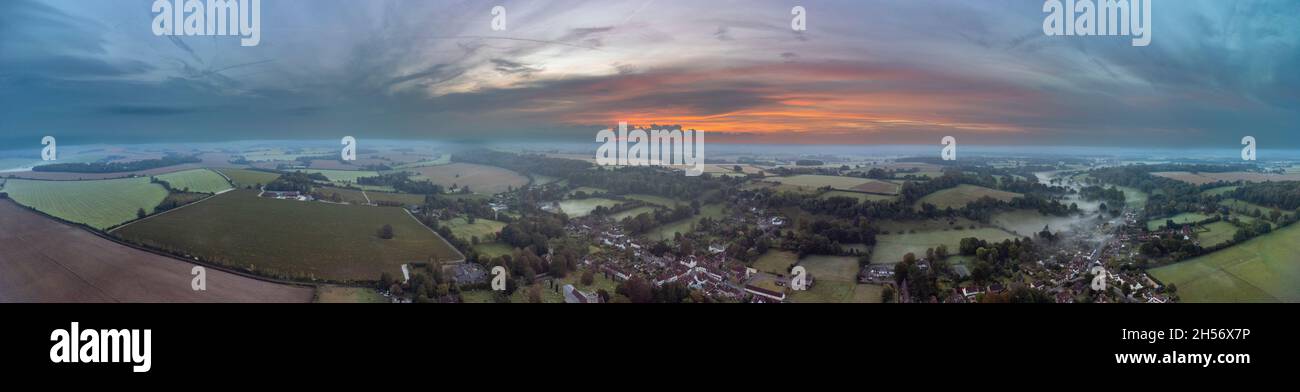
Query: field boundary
x=435, y=233
x=148, y=217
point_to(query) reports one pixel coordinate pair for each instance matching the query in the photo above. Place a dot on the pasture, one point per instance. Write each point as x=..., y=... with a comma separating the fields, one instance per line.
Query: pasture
x=656, y=200
x=1264, y=269
x=97, y=203
x=331, y=294
x=890, y=248
x=776, y=262
x=861, y=197
x=837, y=268
x=197, y=180
x=343, y=176
x=481, y=228
x=833, y=291
x=617, y=217
x=1185, y=218
x=812, y=181
x=1206, y=178
x=961, y=195
x=583, y=207
x=684, y=226
x=244, y=178
x=1219, y=233
x=293, y=239
x=479, y=178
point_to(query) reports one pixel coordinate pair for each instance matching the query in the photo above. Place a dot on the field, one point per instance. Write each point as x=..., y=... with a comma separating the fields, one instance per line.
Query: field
x=343, y=176
x=776, y=262
x=479, y=178
x=1134, y=197
x=481, y=228
x=47, y=261
x=812, y=181
x=961, y=195
x=837, y=268
x=1219, y=233
x=1220, y=190
x=1264, y=269
x=890, y=248
x=244, y=178
x=198, y=180
x=100, y=204
x=1180, y=219
x=352, y=295
x=302, y=240
x=1029, y=222
x=632, y=212
x=583, y=207
x=494, y=249
x=356, y=196
x=1206, y=178
x=1241, y=208
x=668, y=231
x=862, y=197
x=656, y=200
x=833, y=291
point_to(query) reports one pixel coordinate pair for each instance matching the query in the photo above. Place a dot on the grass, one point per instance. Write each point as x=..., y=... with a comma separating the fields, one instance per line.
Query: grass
x=494, y=249
x=961, y=195
x=1180, y=219
x=1264, y=269
x=837, y=268
x=668, y=231
x=582, y=207
x=776, y=262
x=1219, y=233
x=862, y=197
x=813, y=181
x=479, y=178
x=197, y=180
x=831, y=291
x=1134, y=197
x=481, y=228
x=97, y=203
x=293, y=239
x=244, y=178
x=890, y=248
x=656, y=200
x=343, y=294
x=632, y=212
x=1220, y=190
x=1242, y=208
x=343, y=176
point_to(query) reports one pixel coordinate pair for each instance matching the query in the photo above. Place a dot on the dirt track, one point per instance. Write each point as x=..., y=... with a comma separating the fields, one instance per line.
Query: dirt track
x=42, y=260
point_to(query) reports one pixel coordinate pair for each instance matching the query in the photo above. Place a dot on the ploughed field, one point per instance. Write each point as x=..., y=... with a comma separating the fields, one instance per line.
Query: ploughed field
x=47, y=261
x=293, y=239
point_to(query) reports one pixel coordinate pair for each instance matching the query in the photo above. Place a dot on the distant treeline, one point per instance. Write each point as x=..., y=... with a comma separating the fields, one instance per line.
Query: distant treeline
x=116, y=167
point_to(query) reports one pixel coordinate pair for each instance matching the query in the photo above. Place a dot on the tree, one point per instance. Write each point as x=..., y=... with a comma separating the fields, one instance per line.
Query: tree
x=140, y=214
x=588, y=278
x=386, y=232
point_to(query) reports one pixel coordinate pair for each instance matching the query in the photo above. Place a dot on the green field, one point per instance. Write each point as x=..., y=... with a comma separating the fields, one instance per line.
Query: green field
x=1264, y=269
x=494, y=249
x=1220, y=190
x=961, y=195
x=1219, y=233
x=814, y=181
x=342, y=294
x=1242, y=208
x=837, y=268
x=890, y=248
x=244, y=178
x=862, y=197
x=97, y=203
x=293, y=239
x=583, y=207
x=632, y=213
x=1134, y=197
x=833, y=291
x=1180, y=219
x=668, y=231
x=776, y=262
x=343, y=176
x=657, y=200
x=481, y=228
x=197, y=180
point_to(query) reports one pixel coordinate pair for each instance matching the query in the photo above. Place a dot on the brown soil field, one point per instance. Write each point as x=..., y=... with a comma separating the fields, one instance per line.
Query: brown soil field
x=43, y=260
x=479, y=178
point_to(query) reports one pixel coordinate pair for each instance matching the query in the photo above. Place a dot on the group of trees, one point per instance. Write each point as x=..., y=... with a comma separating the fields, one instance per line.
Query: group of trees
x=115, y=167
x=295, y=182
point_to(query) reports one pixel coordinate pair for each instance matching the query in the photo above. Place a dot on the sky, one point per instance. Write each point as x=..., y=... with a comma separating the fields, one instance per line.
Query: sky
x=863, y=72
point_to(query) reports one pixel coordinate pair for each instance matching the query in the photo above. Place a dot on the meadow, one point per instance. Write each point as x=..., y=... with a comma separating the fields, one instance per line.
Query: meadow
x=632, y=213
x=343, y=176
x=1263, y=269
x=479, y=178
x=481, y=228
x=244, y=178
x=656, y=200
x=1185, y=218
x=813, y=181
x=293, y=239
x=777, y=262
x=197, y=180
x=582, y=207
x=97, y=203
x=668, y=231
x=1219, y=232
x=890, y=248
x=1206, y=178
x=861, y=197
x=959, y=196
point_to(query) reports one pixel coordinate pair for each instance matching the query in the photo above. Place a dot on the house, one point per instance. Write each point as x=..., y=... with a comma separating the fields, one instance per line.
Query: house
x=574, y=296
